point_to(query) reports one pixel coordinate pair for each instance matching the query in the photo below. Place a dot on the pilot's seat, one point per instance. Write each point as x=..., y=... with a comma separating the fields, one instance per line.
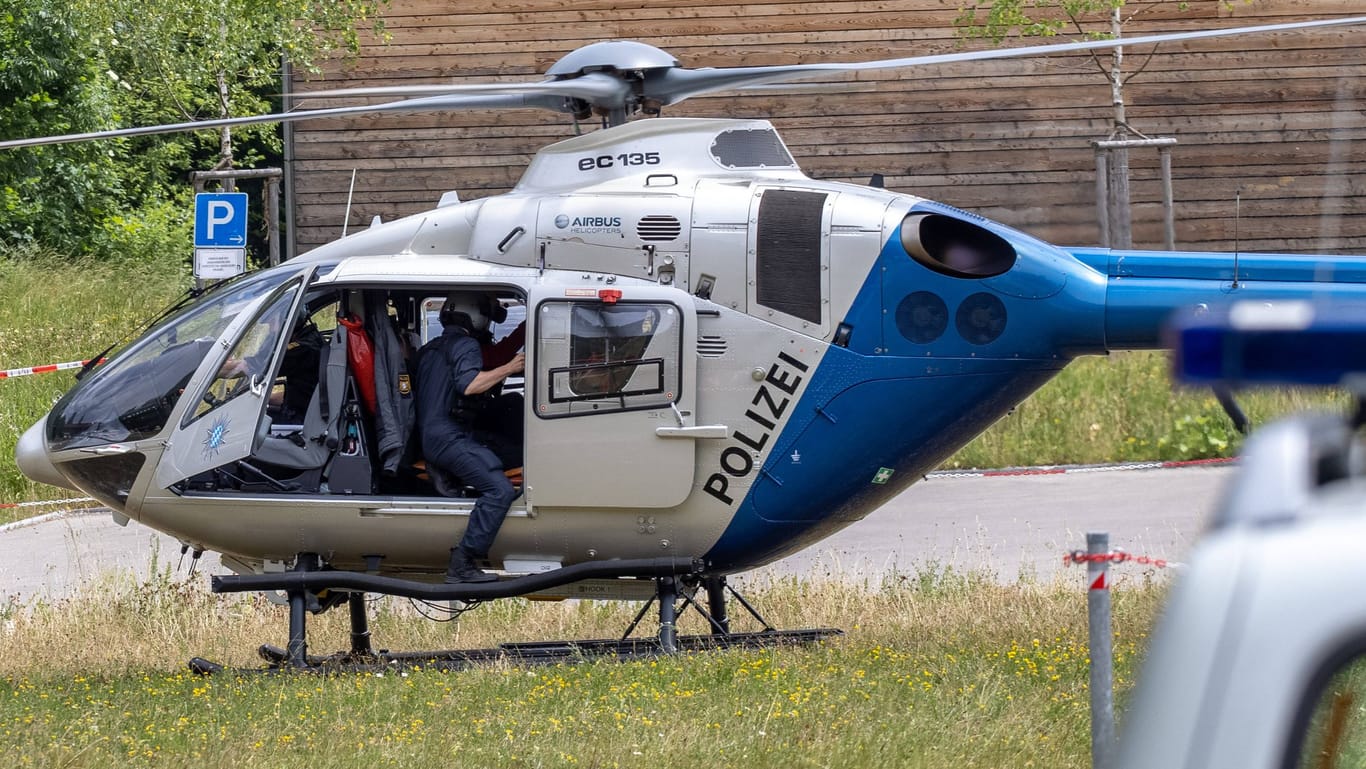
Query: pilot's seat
x=302, y=450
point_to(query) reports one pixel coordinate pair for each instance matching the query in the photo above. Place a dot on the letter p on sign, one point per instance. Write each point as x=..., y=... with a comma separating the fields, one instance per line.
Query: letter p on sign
x=220, y=220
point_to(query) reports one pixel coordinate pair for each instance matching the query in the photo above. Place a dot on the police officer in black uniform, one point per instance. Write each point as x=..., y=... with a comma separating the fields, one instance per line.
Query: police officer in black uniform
x=451, y=392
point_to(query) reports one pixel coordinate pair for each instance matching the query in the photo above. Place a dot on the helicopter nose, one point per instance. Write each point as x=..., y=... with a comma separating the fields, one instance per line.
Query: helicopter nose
x=31, y=456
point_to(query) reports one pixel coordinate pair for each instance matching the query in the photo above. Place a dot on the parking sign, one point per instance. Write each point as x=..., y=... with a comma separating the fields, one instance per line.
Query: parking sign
x=220, y=220
x=220, y=235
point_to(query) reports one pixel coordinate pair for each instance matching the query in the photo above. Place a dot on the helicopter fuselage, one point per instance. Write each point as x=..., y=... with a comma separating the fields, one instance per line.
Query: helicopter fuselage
x=726, y=360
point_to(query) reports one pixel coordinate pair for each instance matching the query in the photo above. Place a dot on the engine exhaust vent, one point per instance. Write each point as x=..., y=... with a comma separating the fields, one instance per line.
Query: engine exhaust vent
x=658, y=229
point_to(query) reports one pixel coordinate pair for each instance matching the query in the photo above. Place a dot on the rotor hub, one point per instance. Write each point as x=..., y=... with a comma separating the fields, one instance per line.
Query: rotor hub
x=611, y=56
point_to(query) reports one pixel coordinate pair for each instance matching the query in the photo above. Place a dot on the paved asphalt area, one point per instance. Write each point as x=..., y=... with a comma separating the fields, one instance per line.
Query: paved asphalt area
x=1009, y=526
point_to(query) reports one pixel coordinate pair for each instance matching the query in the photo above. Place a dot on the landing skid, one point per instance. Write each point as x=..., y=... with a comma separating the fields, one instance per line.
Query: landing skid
x=668, y=575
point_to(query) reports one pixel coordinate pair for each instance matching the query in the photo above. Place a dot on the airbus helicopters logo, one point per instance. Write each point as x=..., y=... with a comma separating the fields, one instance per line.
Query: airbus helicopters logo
x=589, y=225
x=769, y=405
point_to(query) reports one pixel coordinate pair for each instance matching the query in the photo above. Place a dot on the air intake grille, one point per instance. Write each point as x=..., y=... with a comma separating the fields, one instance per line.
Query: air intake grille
x=788, y=252
x=712, y=346
x=658, y=228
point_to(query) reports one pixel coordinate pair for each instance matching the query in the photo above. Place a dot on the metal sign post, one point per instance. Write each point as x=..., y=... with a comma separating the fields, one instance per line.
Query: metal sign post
x=1099, y=648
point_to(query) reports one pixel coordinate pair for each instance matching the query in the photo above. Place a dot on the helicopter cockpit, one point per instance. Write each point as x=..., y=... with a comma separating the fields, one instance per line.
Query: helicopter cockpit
x=296, y=382
x=133, y=395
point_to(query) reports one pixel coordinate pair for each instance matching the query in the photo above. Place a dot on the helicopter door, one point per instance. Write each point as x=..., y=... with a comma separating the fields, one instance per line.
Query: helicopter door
x=612, y=387
x=222, y=417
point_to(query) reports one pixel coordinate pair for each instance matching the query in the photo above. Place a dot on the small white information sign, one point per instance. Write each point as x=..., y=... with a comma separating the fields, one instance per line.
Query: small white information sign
x=219, y=263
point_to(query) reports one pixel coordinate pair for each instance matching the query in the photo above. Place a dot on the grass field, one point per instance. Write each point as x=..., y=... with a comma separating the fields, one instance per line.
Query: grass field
x=54, y=311
x=936, y=669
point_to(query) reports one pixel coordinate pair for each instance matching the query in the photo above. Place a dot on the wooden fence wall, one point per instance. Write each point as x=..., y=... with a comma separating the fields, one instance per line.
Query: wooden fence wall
x=1276, y=119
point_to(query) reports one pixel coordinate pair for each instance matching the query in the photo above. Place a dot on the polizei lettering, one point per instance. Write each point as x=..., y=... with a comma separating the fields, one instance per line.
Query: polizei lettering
x=766, y=410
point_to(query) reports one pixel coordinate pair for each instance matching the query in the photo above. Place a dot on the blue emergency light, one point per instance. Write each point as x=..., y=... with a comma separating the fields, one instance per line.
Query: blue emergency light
x=1259, y=343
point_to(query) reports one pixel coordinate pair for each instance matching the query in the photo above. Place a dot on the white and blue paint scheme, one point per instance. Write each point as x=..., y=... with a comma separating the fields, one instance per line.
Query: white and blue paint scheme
x=824, y=345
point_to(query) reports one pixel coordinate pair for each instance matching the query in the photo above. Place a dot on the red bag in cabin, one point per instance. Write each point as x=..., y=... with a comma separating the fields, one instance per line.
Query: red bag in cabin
x=360, y=353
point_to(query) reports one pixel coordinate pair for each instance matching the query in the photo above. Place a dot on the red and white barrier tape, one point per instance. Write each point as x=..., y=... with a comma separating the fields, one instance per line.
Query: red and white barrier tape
x=1114, y=557
x=48, y=369
x=1066, y=469
x=45, y=503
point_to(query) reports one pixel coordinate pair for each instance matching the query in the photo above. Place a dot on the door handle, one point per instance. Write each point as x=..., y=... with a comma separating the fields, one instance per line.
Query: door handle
x=700, y=432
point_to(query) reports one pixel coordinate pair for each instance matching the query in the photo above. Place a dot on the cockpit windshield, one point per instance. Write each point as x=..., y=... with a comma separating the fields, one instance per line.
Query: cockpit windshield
x=131, y=397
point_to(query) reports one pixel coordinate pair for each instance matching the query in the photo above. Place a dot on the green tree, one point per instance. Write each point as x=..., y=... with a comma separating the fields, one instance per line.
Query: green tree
x=1088, y=19
x=1091, y=19
x=53, y=81
x=205, y=59
x=70, y=66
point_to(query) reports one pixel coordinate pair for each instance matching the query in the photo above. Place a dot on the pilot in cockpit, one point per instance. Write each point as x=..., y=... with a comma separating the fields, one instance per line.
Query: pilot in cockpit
x=299, y=370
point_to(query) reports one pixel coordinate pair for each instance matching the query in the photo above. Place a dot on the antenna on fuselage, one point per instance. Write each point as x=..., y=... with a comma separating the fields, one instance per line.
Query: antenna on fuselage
x=346, y=217
x=1237, y=220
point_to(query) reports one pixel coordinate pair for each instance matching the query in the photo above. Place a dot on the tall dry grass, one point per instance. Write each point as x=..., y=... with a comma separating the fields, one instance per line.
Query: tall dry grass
x=936, y=669
x=116, y=623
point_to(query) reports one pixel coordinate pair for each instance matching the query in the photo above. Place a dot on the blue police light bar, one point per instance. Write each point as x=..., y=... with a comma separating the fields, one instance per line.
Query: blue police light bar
x=1259, y=343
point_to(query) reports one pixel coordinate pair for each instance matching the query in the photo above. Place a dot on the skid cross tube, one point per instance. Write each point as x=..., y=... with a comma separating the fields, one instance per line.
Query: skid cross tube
x=308, y=579
x=360, y=627
x=407, y=588
x=716, y=602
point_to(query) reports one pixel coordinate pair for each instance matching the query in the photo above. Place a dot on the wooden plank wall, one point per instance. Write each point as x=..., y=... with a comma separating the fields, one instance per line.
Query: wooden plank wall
x=1276, y=119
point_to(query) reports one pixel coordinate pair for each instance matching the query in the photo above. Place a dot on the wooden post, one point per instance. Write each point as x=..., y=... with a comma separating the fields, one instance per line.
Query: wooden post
x=1103, y=195
x=273, y=219
x=1121, y=218
x=1112, y=190
x=1168, y=208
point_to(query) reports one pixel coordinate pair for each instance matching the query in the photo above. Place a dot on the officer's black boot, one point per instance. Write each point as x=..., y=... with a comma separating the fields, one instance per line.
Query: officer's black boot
x=462, y=568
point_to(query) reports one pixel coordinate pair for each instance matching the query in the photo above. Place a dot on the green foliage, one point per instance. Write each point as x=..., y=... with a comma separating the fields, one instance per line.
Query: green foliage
x=1202, y=436
x=999, y=19
x=205, y=59
x=51, y=82
x=159, y=231
x=75, y=66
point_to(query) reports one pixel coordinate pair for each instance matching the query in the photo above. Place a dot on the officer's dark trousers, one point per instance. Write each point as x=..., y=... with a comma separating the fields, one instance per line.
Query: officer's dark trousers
x=476, y=466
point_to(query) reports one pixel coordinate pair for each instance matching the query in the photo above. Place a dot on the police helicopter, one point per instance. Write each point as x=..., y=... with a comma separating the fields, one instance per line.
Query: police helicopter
x=725, y=360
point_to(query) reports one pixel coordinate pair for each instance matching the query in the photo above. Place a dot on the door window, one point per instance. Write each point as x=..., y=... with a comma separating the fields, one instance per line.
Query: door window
x=598, y=358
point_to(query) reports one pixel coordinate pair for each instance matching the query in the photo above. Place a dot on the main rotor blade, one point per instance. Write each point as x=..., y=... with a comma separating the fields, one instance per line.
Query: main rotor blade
x=597, y=88
x=661, y=85
x=674, y=85
x=594, y=87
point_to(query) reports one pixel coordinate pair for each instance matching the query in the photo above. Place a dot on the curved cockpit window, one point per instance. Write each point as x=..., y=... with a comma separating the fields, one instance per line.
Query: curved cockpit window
x=131, y=397
x=248, y=364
